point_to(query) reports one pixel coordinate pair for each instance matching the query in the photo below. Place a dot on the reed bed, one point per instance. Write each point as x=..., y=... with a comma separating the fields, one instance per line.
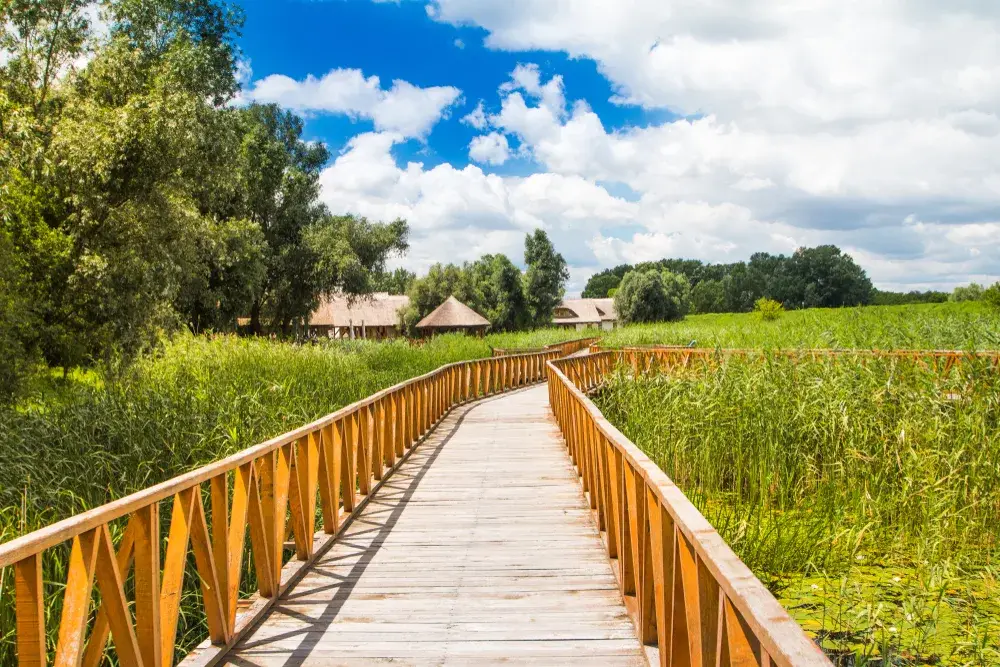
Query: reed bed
x=961, y=326
x=865, y=495
x=76, y=444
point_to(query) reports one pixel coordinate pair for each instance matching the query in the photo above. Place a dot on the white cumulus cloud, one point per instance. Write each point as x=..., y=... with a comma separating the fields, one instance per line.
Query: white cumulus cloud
x=489, y=148
x=403, y=108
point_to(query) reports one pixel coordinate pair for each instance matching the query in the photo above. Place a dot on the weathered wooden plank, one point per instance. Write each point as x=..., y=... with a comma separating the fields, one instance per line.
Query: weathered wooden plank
x=481, y=547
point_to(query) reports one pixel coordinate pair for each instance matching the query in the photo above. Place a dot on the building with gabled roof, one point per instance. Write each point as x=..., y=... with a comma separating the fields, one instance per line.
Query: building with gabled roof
x=582, y=313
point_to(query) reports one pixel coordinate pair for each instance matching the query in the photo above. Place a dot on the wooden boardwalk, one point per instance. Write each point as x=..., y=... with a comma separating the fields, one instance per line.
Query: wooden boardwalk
x=480, y=549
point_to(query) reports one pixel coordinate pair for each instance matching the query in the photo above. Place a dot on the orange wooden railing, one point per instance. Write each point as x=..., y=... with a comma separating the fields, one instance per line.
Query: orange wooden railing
x=644, y=359
x=342, y=458
x=690, y=596
x=565, y=348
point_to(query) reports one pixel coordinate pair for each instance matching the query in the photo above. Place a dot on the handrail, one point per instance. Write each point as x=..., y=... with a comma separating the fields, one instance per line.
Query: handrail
x=687, y=591
x=644, y=358
x=270, y=488
x=565, y=348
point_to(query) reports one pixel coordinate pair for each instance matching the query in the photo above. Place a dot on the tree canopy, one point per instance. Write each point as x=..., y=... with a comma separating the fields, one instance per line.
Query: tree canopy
x=823, y=276
x=545, y=279
x=651, y=295
x=135, y=198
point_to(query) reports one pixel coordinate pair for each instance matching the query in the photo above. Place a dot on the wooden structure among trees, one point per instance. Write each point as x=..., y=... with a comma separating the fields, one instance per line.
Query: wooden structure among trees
x=375, y=316
x=439, y=521
x=453, y=315
x=582, y=313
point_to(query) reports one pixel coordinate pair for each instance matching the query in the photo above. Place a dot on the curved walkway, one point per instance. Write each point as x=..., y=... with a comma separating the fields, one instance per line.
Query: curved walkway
x=479, y=550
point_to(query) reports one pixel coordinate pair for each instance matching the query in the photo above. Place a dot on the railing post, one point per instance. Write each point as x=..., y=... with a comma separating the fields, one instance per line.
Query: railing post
x=30, y=608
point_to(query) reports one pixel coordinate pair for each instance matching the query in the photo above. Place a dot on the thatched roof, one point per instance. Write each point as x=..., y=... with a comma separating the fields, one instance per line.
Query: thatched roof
x=375, y=310
x=453, y=314
x=585, y=311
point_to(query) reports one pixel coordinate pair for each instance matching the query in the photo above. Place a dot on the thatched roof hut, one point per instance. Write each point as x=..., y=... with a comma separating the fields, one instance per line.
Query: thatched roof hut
x=580, y=313
x=369, y=316
x=453, y=315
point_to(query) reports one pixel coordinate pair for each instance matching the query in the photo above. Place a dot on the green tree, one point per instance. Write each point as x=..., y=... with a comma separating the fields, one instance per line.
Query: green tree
x=600, y=285
x=545, y=279
x=708, y=296
x=991, y=296
x=101, y=167
x=497, y=292
x=970, y=292
x=430, y=291
x=652, y=295
x=306, y=251
x=825, y=277
x=394, y=282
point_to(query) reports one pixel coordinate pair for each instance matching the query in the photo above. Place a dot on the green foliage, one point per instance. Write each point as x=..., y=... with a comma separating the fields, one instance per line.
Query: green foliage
x=811, y=277
x=991, y=296
x=612, y=292
x=393, y=282
x=652, y=296
x=545, y=278
x=137, y=200
x=708, y=296
x=768, y=309
x=430, y=291
x=600, y=285
x=497, y=292
x=882, y=298
x=863, y=494
x=970, y=292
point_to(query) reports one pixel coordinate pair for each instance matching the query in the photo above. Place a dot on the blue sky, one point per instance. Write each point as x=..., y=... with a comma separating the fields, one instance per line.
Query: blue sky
x=633, y=131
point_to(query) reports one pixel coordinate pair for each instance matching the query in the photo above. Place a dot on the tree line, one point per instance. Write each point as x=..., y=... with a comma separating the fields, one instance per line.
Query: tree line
x=136, y=198
x=492, y=285
x=820, y=277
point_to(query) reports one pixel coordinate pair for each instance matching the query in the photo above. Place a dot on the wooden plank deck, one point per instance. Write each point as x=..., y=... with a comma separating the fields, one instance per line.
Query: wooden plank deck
x=478, y=550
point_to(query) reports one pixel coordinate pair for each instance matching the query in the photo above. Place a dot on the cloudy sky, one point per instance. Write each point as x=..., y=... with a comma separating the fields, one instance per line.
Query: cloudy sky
x=638, y=129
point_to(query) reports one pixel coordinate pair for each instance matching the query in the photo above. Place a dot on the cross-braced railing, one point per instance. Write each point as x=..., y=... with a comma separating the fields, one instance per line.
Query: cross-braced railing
x=304, y=485
x=644, y=359
x=689, y=595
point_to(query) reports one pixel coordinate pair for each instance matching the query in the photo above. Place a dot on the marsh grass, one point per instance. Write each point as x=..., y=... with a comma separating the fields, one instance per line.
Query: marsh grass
x=962, y=326
x=865, y=496
x=78, y=442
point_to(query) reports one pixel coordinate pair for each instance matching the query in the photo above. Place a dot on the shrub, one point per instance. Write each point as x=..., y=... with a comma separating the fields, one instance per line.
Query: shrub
x=991, y=296
x=652, y=296
x=970, y=292
x=769, y=309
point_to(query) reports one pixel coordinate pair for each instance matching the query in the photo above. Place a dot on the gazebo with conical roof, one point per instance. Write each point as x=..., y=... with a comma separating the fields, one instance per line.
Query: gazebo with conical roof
x=453, y=315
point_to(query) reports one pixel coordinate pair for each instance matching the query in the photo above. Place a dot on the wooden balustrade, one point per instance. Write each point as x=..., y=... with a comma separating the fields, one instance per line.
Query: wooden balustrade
x=689, y=595
x=644, y=359
x=304, y=485
x=565, y=348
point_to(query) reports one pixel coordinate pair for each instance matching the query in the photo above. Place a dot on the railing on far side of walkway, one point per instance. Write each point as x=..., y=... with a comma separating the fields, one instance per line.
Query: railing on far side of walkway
x=666, y=357
x=565, y=348
x=269, y=490
x=689, y=595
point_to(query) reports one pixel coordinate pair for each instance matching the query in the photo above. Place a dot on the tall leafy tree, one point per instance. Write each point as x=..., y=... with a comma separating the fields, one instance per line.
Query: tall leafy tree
x=650, y=295
x=99, y=185
x=545, y=278
x=498, y=292
x=826, y=277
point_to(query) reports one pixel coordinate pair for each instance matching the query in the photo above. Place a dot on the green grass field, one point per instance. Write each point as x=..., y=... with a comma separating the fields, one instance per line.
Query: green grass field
x=865, y=496
x=929, y=326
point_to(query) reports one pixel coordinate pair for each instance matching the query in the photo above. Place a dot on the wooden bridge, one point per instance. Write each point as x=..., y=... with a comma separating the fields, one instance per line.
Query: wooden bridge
x=483, y=513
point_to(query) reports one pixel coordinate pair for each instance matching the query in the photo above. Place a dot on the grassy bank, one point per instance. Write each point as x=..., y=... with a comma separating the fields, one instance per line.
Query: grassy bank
x=865, y=496
x=960, y=326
